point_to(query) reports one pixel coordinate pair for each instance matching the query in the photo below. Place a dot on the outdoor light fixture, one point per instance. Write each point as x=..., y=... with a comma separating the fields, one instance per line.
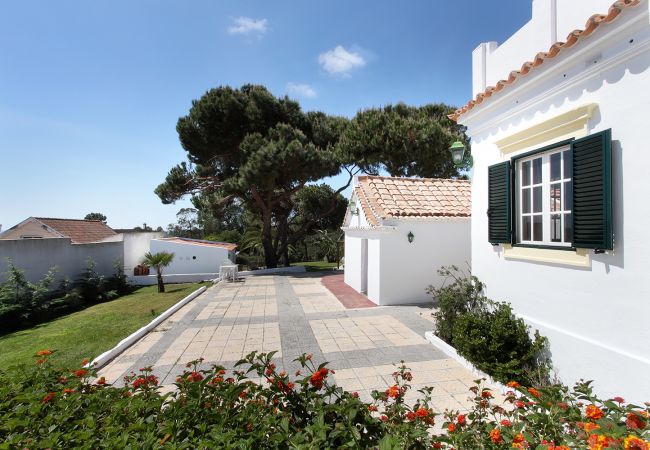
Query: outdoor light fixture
x=410, y=237
x=457, y=150
x=353, y=208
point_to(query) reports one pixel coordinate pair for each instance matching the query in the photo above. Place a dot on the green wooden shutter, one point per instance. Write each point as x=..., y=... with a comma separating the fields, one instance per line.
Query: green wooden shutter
x=592, y=191
x=499, y=214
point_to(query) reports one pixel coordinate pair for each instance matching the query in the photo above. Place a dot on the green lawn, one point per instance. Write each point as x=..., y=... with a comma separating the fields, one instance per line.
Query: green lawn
x=88, y=333
x=316, y=266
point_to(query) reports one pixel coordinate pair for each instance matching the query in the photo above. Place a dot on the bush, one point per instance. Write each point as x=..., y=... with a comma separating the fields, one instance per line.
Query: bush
x=499, y=344
x=23, y=304
x=487, y=333
x=55, y=408
x=463, y=295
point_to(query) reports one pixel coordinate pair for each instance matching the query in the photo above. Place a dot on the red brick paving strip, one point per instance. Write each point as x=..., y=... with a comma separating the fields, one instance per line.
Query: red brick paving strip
x=346, y=295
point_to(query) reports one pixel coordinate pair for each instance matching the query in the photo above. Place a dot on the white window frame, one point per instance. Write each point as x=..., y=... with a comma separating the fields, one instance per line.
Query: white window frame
x=546, y=199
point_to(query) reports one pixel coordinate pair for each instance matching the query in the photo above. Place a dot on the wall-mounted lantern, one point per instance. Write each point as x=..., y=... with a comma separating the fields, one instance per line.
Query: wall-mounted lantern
x=353, y=209
x=410, y=237
x=457, y=150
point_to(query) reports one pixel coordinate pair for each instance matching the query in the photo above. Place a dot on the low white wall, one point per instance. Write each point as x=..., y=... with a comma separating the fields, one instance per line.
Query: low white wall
x=189, y=258
x=149, y=280
x=278, y=270
x=134, y=337
x=36, y=256
x=408, y=268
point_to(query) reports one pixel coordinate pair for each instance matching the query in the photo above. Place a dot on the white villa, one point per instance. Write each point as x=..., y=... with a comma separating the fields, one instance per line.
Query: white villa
x=560, y=211
x=399, y=231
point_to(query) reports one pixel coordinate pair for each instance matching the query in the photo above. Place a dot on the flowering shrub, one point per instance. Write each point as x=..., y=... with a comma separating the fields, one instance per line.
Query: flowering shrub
x=56, y=408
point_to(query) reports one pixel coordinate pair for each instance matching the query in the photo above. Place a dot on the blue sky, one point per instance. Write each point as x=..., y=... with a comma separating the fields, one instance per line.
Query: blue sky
x=90, y=91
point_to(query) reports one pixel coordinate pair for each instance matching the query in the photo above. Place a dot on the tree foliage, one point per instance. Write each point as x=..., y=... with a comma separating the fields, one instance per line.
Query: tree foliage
x=95, y=216
x=404, y=141
x=251, y=151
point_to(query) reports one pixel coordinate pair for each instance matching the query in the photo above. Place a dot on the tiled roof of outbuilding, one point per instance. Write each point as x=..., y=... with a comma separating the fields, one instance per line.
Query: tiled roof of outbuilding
x=200, y=242
x=392, y=197
x=575, y=36
x=79, y=231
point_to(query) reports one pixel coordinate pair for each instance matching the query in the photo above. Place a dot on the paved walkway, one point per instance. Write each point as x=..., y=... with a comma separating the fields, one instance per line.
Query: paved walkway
x=294, y=315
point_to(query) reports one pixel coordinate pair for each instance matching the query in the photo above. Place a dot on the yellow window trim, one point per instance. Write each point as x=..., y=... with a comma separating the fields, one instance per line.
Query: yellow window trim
x=577, y=258
x=573, y=123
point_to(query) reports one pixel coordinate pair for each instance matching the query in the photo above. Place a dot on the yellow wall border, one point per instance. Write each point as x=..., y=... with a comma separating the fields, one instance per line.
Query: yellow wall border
x=570, y=124
x=578, y=258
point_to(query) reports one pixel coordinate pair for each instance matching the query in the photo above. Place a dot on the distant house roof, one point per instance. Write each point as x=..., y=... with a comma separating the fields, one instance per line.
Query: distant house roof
x=227, y=245
x=392, y=197
x=79, y=231
x=593, y=23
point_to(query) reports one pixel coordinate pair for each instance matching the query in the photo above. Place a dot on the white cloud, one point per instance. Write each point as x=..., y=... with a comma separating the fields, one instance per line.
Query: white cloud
x=246, y=25
x=300, y=90
x=340, y=61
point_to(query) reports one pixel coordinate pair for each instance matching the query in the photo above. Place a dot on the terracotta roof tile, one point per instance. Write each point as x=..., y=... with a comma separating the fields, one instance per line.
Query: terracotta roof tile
x=202, y=243
x=576, y=35
x=79, y=231
x=386, y=197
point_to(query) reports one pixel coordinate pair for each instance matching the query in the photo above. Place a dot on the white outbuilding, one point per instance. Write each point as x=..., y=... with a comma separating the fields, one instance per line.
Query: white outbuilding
x=400, y=231
x=194, y=256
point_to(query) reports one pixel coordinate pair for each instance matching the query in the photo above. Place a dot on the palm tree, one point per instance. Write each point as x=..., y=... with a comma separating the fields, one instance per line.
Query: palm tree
x=158, y=261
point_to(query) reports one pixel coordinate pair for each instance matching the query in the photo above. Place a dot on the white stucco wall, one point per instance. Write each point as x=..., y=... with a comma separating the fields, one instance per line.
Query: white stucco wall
x=551, y=21
x=597, y=318
x=136, y=244
x=408, y=268
x=36, y=256
x=352, y=269
x=399, y=271
x=189, y=258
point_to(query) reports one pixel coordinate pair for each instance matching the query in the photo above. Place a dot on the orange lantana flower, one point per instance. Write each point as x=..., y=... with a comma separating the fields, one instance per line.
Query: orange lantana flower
x=593, y=412
x=495, y=435
x=634, y=443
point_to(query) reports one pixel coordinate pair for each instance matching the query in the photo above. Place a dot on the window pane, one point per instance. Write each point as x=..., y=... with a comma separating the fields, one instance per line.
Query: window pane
x=556, y=228
x=556, y=197
x=525, y=200
x=537, y=171
x=525, y=229
x=525, y=173
x=568, y=228
x=568, y=163
x=538, y=230
x=568, y=195
x=556, y=166
x=537, y=199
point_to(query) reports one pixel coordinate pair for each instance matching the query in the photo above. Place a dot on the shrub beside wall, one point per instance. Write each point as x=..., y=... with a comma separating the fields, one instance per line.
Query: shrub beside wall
x=486, y=332
x=24, y=304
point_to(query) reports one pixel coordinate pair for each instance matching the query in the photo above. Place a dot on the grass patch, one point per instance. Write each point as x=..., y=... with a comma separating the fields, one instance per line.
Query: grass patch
x=88, y=333
x=316, y=266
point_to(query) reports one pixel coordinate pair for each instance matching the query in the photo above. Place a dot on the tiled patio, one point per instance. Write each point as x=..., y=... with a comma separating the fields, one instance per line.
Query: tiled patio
x=298, y=314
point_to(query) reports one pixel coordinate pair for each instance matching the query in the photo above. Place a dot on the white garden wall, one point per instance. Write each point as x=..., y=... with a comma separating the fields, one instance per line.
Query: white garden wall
x=36, y=256
x=190, y=258
x=596, y=317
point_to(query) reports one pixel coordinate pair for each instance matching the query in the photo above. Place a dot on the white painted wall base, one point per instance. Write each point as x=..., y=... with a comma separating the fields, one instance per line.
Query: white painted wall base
x=149, y=280
x=453, y=354
x=128, y=341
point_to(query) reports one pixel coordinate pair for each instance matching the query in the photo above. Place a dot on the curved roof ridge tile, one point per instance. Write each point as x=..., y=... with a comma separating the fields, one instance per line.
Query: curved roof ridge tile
x=572, y=38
